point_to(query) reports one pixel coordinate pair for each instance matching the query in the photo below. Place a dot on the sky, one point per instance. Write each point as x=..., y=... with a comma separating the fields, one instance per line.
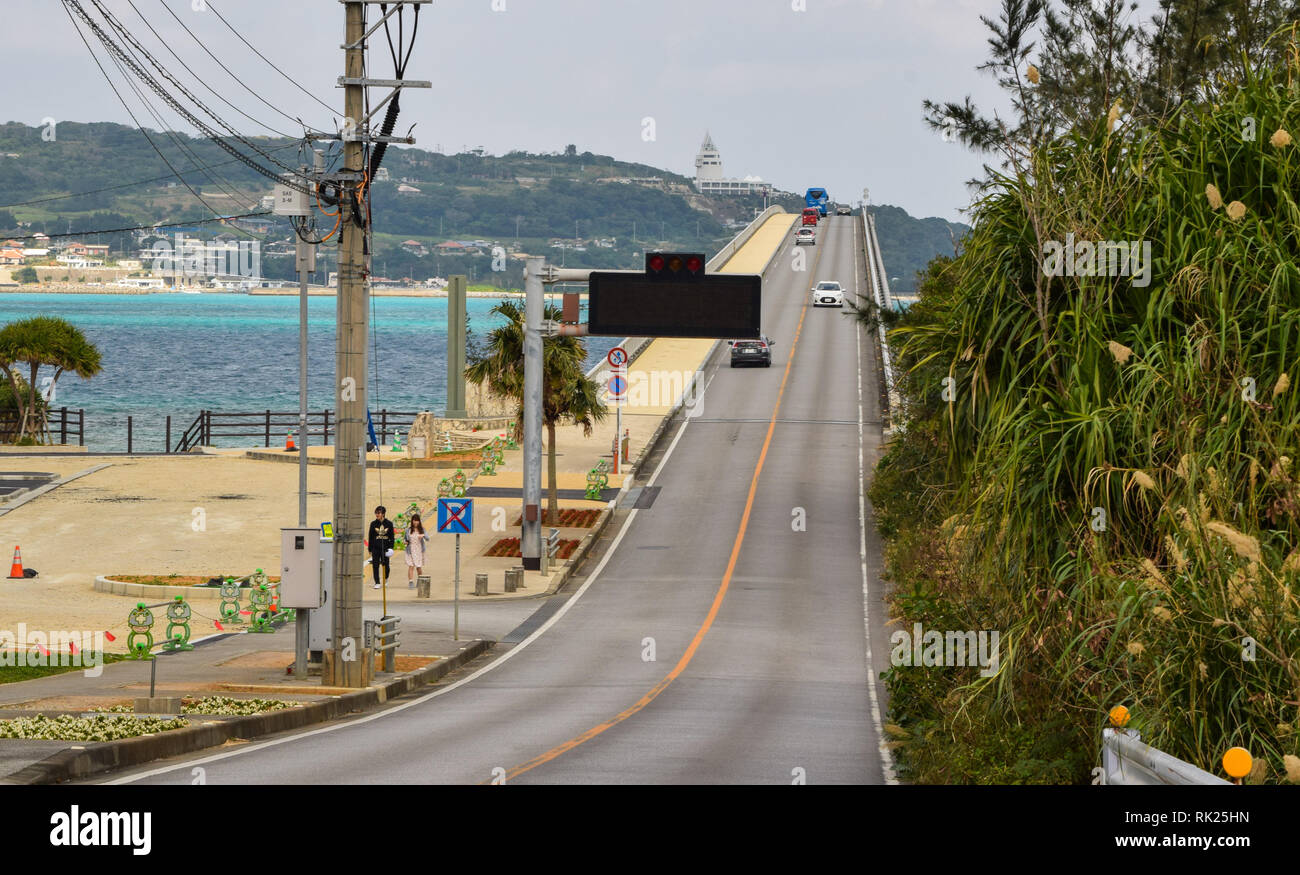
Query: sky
x=799, y=92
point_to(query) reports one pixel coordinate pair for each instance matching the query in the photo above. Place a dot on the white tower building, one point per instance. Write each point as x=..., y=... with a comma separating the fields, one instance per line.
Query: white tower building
x=708, y=173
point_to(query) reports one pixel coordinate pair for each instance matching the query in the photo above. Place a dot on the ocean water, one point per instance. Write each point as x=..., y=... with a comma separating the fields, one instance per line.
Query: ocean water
x=175, y=354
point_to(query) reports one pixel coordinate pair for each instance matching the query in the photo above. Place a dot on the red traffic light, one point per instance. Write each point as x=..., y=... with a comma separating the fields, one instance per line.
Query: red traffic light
x=674, y=265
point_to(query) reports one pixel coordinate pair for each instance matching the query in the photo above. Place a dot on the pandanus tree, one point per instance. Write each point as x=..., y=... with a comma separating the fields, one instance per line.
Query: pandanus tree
x=30, y=344
x=567, y=395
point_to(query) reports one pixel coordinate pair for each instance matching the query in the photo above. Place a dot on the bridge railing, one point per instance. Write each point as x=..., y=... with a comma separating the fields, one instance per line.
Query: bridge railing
x=879, y=281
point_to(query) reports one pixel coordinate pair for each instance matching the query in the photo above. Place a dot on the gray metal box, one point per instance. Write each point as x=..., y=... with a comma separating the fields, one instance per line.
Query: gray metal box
x=300, y=583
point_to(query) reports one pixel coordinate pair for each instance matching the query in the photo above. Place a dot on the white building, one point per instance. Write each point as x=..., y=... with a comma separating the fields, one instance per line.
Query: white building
x=709, y=178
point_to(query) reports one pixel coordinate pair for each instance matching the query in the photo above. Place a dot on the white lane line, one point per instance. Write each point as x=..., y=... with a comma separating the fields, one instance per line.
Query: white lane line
x=496, y=663
x=886, y=760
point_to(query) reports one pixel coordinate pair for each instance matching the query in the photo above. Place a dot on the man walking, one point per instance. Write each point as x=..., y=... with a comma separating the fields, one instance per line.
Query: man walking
x=380, y=541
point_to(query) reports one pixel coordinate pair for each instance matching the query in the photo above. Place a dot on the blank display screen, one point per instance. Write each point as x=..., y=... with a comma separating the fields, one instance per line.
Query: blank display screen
x=634, y=305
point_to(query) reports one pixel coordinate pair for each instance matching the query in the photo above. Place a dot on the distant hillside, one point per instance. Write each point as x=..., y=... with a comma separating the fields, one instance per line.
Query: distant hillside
x=578, y=208
x=908, y=244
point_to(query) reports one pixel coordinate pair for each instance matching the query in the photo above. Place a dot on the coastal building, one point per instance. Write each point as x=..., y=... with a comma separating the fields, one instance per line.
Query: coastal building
x=709, y=178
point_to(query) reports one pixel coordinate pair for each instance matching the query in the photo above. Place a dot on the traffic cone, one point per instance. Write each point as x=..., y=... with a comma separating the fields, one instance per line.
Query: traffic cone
x=16, y=571
x=288, y=443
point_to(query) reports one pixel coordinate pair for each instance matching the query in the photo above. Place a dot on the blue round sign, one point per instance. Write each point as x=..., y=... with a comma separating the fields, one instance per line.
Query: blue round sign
x=617, y=385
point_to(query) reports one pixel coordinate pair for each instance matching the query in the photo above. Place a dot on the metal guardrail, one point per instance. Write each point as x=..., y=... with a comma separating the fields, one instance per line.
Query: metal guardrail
x=883, y=300
x=551, y=546
x=382, y=636
x=1127, y=760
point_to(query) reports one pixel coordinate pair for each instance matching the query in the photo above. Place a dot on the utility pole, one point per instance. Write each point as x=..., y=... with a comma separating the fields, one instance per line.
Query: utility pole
x=350, y=662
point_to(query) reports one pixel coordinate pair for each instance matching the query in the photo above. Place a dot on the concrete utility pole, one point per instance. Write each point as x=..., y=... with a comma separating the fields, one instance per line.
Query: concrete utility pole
x=350, y=390
x=530, y=536
x=456, y=348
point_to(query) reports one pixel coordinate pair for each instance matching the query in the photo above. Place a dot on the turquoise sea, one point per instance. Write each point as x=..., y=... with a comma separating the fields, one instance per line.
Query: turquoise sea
x=174, y=354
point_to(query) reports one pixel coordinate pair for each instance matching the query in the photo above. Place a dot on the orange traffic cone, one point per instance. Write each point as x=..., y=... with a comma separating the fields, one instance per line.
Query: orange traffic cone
x=288, y=443
x=16, y=572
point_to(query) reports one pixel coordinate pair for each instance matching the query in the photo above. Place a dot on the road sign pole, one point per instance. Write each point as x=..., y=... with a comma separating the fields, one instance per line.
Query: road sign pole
x=455, y=596
x=530, y=535
x=618, y=434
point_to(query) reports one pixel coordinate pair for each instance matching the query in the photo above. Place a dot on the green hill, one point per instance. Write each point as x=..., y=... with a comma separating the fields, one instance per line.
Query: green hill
x=578, y=208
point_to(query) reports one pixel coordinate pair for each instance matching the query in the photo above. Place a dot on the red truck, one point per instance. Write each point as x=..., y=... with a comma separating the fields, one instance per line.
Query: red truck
x=810, y=216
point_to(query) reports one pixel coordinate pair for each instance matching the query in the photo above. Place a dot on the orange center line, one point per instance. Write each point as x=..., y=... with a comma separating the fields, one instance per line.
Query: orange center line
x=717, y=598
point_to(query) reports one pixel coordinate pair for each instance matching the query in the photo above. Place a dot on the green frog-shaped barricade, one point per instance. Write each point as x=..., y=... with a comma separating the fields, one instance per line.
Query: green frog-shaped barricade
x=444, y=488
x=399, y=532
x=259, y=604
x=511, y=443
x=499, y=450
x=258, y=578
x=596, y=481
x=178, y=626
x=228, y=611
x=488, y=465
x=458, y=484
x=140, y=641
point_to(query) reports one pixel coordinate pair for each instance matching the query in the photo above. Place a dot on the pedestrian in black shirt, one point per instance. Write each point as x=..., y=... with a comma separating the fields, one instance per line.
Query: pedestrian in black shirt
x=380, y=541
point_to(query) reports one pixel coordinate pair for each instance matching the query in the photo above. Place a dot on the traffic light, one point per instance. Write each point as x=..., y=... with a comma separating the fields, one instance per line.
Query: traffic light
x=674, y=266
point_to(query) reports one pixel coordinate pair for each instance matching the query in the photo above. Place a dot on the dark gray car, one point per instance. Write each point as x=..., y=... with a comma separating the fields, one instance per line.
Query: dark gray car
x=752, y=352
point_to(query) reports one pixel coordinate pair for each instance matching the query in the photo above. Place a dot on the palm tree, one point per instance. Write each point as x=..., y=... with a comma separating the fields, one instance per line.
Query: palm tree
x=567, y=394
x=43, y=340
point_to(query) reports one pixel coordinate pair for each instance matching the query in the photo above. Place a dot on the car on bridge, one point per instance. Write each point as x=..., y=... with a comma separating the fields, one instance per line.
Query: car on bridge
x=752, y=352
x=843, y=211
x=805, y=236
x=828, y=293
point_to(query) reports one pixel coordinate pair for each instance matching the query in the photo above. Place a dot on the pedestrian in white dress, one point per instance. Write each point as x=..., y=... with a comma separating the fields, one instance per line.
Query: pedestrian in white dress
x=415, y=541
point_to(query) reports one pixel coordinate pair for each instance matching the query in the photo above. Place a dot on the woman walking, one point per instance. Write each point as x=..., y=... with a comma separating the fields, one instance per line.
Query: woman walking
x=415, y=540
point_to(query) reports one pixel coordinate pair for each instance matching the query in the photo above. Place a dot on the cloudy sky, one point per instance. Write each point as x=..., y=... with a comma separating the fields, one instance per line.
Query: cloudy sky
x=826, y=95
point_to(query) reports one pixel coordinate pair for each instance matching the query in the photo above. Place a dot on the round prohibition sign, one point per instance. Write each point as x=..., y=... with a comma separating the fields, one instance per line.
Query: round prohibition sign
x=617, y=357
x=617, y=386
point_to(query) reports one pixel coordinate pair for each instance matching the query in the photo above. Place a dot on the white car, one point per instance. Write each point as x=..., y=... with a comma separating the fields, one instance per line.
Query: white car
x=828, y=293
x=805, y=236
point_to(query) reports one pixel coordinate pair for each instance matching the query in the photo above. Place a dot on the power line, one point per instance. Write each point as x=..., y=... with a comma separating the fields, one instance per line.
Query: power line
x=264, y=58
x=135, y=44
x=196, y=76
x=211, y=221
x=230, y=72
x=219, y=139
x=127, y=107
x=220, y=182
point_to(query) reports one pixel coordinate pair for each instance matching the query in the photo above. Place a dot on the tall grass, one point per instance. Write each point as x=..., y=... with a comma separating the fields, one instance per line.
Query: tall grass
x=1079, y=393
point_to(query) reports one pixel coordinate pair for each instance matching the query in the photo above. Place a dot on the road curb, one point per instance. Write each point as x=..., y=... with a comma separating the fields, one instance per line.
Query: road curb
x=73, y=763
x=33, y=494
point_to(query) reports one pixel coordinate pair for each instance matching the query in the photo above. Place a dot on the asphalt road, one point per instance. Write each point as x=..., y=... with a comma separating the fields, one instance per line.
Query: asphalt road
x=723, y=638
